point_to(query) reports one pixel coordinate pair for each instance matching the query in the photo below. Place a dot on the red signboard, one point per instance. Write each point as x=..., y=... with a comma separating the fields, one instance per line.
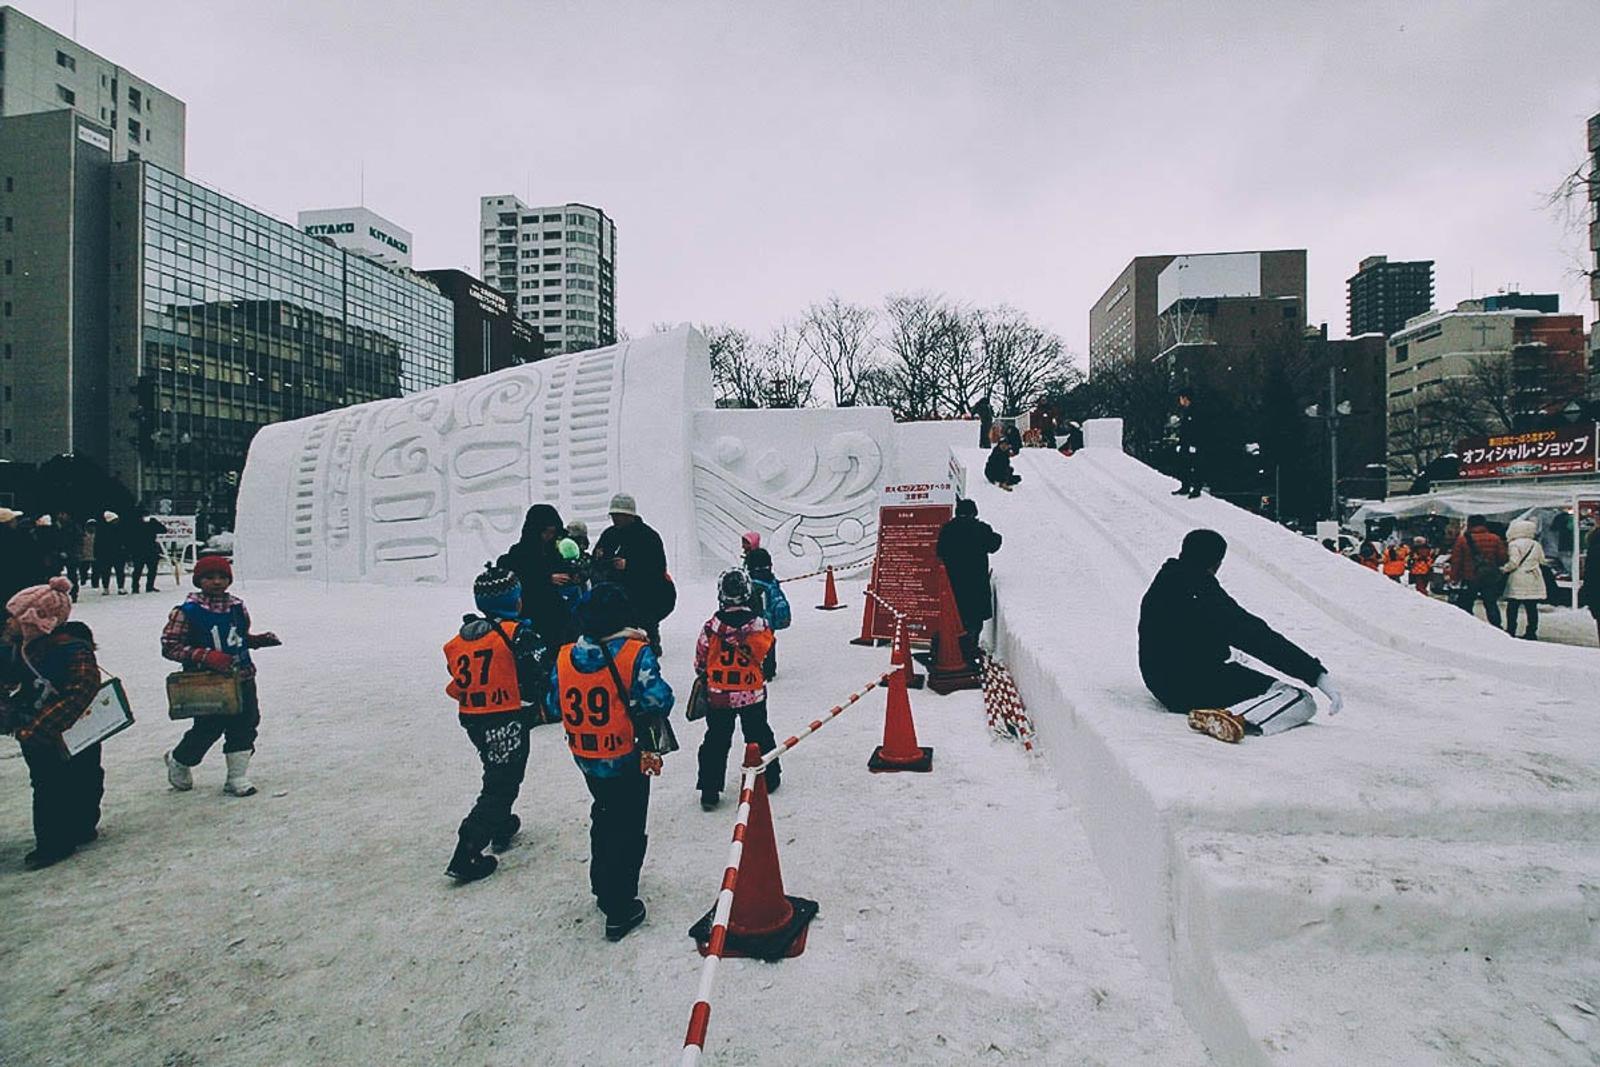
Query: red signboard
x=1569, y=450
x=905, y=571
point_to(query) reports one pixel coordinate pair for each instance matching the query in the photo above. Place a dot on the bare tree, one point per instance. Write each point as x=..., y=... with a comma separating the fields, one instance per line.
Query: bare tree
x=1020, y=359
x=931, y=370
x=841, y=338
x=736, y=366
x=788, y=370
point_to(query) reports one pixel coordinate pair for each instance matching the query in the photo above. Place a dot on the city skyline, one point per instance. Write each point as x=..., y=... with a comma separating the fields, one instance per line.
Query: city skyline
x=1022, y=156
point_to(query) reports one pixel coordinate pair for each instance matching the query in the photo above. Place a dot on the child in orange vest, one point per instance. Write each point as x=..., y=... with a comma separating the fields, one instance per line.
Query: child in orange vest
x=483, y=659
x=607, y=691
x=729, y=655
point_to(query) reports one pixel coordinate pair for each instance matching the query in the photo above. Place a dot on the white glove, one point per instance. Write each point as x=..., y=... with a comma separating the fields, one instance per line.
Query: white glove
x=1329, y=690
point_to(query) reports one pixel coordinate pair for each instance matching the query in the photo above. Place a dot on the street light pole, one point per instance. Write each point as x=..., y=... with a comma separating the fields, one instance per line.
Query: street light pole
x=1333, y=445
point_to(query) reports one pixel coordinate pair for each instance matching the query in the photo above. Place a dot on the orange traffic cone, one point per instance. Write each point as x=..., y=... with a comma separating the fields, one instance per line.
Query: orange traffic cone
x=899, y=751
x=866, y=637
x=830, y=595
x=949, y=670
x=901, y=656
x=763, y=923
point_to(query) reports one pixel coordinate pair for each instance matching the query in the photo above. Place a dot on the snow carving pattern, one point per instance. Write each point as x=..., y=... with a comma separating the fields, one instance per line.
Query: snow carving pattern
x=423, y=488
x=815, y=506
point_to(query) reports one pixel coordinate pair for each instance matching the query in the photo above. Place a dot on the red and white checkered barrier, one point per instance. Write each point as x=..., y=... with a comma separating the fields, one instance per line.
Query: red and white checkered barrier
x=1002, y=703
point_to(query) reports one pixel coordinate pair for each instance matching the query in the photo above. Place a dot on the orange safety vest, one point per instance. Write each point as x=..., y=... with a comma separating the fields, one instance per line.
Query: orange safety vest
x=1394, y=560
x=734, y=666
x=1422, y=561
x=483, y=673
x=593, y=710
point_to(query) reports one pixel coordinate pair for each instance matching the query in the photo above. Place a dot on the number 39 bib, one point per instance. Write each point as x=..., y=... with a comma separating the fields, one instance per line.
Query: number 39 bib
x=593, y=712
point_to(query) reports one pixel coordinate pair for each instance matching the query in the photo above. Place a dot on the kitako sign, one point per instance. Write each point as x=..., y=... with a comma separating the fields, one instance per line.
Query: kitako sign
x=1530, y=453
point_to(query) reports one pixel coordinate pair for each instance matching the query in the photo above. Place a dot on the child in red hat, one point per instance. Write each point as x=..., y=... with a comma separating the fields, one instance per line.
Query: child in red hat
x=210, y=631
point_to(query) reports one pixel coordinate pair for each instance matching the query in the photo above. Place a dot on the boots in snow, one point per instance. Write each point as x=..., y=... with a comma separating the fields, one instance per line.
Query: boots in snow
x=709, y=799
x=1220, y=723
x=469, y=866
x=179, y=776
x=620, y=925
x=237, y=784
x=502, y=840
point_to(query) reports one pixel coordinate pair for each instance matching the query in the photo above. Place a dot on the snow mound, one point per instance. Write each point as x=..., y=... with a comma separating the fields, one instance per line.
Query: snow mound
x=1406, y=883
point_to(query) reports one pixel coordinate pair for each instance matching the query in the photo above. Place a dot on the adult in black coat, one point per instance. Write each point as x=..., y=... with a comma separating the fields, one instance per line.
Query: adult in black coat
x=998, y=468
x=19, y=559
x=631, y=554
x=985, y=412
x=1589, y=591
x=537, y=564
x=964, y=546
x=144, y=550
x=1188, y=625
x=1191, y=445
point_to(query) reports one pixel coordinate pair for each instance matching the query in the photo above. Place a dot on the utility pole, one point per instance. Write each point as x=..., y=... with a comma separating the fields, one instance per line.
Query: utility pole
x=1336, y=408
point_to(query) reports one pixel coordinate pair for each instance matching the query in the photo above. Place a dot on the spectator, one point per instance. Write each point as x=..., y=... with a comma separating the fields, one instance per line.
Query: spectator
x=985, y=412
x=1525, y=577
x=1589, y=592
x=964, y=546
x=537, y=563
x=110, y=553
x=1191, y=449
x=1475, y=562
x=631, y=554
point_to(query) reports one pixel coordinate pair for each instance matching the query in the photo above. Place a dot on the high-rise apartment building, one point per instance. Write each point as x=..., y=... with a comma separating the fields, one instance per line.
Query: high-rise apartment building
x=1384, y=295
x=558, y=263
x=41, y=70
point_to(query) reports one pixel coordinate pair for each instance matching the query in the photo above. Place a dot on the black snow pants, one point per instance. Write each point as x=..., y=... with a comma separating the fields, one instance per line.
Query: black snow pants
x=1220, y=687
x=719, y=738
x=617, y=839
x=66, y=795
x=501, y=739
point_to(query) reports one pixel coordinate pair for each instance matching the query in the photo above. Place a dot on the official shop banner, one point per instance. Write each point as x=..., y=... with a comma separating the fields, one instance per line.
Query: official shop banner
x=1568, y=450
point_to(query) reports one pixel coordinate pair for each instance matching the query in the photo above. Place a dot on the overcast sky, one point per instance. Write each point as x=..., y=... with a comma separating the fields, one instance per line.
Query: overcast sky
x=758, y=156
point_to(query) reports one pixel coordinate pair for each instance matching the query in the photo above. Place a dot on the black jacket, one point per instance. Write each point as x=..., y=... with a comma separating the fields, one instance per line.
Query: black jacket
x=964, y=545
x=142, y=546
x=998, y=468
x=1188, y=625
x=534, y=560
x=645, y=577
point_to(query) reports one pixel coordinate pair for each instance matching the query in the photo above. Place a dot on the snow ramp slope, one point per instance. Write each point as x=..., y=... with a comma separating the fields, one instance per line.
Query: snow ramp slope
x=1416, y=881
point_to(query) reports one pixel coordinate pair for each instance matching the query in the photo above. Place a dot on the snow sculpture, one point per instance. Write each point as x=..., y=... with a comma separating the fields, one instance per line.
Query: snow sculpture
x=806, y=480
x=425, y=488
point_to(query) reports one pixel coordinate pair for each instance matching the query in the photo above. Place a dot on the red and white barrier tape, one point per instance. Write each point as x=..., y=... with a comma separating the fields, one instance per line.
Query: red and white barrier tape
x=700, y=1015
x=1003, y=706
x=899, y=616
x=858, y=564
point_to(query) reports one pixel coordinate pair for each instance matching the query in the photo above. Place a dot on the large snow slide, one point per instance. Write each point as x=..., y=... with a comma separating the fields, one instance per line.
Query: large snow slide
x=1415, y=881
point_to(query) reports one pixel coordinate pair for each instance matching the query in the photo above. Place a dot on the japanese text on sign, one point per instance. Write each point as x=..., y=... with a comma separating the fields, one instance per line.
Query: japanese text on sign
x=1568, y=450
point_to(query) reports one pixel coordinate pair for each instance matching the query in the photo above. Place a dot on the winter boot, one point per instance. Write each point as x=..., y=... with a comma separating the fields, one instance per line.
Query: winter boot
x=469, y=866
x=237, y=784
x=618, y=926
x=1220, y=723
x=774, y=776
x=179, y=776
x=502, y=840
x=709, y=799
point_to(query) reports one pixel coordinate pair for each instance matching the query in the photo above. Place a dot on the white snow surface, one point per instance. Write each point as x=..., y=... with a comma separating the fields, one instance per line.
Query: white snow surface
x=964, y=919
x=1413, y=882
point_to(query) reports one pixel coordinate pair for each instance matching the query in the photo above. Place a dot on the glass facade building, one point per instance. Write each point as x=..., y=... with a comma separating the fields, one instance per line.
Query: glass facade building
x=225, y=319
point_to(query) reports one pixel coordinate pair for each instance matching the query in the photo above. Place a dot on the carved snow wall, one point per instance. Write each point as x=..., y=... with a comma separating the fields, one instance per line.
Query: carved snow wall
x=425, y=488
x=806, y=480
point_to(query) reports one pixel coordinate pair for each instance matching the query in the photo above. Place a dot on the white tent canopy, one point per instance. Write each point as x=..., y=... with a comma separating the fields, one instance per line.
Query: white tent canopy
x=1502, y=502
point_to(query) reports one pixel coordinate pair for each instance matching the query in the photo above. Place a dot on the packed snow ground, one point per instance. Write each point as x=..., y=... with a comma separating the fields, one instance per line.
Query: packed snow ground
x=964, y=919
x=1416, y=881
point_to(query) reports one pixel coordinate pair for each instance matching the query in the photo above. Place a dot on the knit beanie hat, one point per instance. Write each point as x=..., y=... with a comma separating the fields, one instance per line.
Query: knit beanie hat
x=39, y=609
x=749, y=539
x=759, y=560
x=569, y=549
x=498, y=592
x=208, y=565
x=733, y=588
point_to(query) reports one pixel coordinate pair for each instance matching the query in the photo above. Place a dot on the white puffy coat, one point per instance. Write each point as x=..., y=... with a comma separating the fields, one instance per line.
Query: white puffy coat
x=1526, y=580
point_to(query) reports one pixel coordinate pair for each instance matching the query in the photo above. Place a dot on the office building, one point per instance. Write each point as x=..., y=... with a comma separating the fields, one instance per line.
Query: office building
x=1506, y=362
x=1594, y=248
x=153, y=324
x=488, y=336
x=1178, y=307
x=1122, y=323
x=558, y=263
x=358, y=230
x=41, y=70
x=1383, y=296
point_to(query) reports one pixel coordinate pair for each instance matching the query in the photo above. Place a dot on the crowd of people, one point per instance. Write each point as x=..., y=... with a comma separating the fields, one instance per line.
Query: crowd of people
x=91, y=553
